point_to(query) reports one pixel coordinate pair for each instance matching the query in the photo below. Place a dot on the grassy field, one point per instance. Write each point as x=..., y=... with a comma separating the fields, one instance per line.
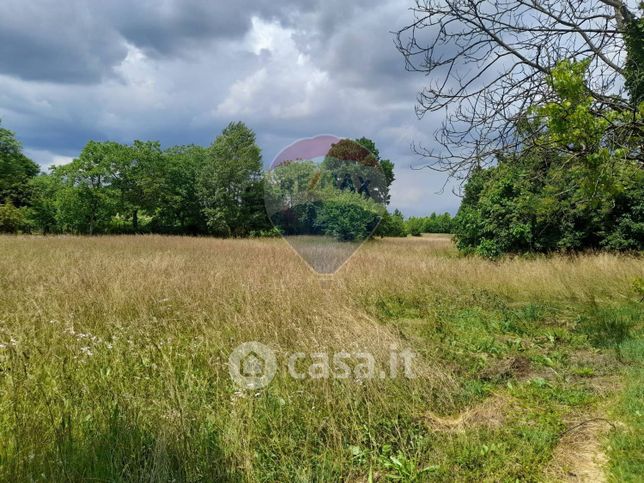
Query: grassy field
x=114, y=351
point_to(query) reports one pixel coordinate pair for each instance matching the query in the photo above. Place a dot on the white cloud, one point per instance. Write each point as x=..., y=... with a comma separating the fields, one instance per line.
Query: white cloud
x=287, y=86
x=419, y=192
x=47, y=159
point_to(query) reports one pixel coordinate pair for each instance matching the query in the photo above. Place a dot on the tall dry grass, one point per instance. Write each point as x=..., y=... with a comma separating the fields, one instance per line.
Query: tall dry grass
x=114, y=349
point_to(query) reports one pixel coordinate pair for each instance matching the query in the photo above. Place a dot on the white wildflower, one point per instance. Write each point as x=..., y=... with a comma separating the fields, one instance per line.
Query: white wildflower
x=87, y=351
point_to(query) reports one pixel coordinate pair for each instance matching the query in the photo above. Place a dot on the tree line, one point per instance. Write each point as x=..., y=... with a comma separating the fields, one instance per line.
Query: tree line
x=138, y=188
x=218, y=190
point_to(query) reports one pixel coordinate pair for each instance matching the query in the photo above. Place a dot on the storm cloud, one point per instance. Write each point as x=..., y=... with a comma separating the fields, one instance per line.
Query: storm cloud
x=179, y=70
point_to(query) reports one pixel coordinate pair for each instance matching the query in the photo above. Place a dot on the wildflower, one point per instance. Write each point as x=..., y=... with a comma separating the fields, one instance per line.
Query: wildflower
x=87, y=351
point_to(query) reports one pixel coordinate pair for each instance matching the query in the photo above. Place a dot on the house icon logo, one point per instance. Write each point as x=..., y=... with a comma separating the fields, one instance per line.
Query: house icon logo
x=252, y=365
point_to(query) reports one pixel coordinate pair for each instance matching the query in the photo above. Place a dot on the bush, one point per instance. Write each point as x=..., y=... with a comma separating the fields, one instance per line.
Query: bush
x=433, y=223
x=391, y=225
x=348, y=216
x=12, y=219
x=488, y=249
x=122, y=224
x=415, y=226
x=272, y=233
x=523, y=205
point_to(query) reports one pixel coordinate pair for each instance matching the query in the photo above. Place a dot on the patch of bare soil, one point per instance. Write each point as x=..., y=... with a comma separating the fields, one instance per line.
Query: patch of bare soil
x=518, y=367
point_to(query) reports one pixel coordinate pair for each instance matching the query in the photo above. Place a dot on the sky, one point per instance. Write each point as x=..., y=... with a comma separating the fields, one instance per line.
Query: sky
x=178, y=71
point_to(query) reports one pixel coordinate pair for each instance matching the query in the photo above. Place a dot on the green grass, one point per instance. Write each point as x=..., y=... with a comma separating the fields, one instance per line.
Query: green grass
x=113, y=362
x=626, y=442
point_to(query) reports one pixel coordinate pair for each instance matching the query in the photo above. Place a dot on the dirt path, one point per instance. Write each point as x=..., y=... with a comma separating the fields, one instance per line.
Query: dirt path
x=580, y=455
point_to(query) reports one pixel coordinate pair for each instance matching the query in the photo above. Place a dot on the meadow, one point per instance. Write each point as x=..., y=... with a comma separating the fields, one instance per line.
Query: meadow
x=114, y=363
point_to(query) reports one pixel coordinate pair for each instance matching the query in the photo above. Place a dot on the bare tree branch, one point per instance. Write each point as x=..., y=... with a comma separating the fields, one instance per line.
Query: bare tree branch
x=487, y=61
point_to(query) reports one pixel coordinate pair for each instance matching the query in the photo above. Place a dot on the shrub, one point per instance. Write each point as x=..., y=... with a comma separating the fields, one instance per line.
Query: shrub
x=272, y=233
x=391, y=225
x=12, y=219
x=348, y=216
x=488, y=249
x=415, y=226
x=433, y=223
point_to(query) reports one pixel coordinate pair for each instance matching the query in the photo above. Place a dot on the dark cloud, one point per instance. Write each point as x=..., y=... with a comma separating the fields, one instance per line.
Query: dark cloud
x=179, y=70
x=57, y=41
x=175, y=26
x=82, y=41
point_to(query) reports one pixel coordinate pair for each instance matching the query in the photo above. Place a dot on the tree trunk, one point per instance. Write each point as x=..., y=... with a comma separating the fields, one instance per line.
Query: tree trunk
x=135, y=220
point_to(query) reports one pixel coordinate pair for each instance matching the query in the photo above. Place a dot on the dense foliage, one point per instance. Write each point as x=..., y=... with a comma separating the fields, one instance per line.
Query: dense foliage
x=344, y=197
x=392, y=225
x=16, y=173
x=16, y=170
x=138, y=188
x=433, y=223
x=348, y=216
x=218, y=190
x=578, y=185
x=229, y=184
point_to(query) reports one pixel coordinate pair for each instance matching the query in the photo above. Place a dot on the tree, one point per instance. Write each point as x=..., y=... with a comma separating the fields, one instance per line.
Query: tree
x=116, y=188
x=433, y=223
x=16, y=170
x=576, y=186
x=490, y=61
x=633, y=71
x=43, y=212
x=436, y=223
x=415, y=226
x=386, y=166
x=343, y=197
x=12, y=219
x=356, y=168
x=391, y=225
x=229, y=180
x=122, y=189
x=89, y=199
x=347, y=150
x=136, y=174
x=177, y=204
x=293, y=196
